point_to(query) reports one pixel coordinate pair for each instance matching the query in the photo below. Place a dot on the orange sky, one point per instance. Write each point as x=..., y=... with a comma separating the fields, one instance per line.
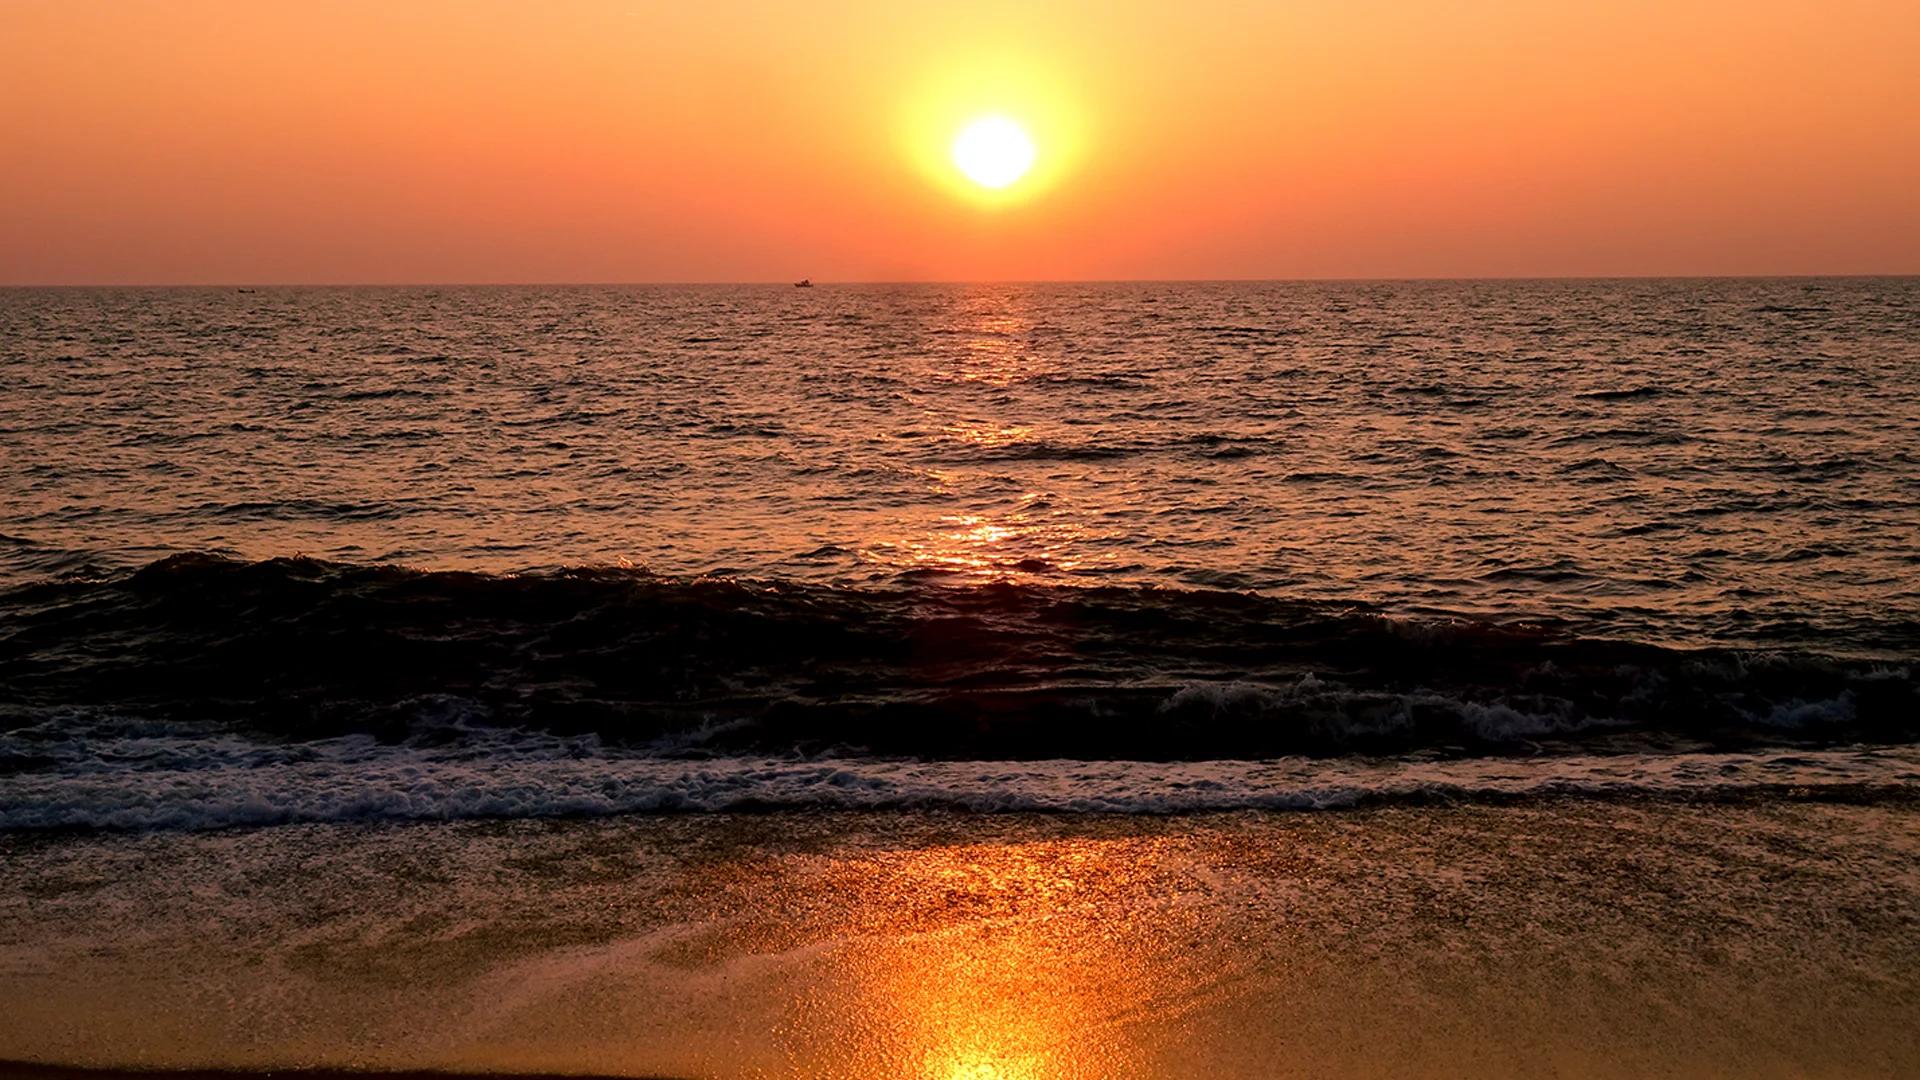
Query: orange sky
x=629, y=140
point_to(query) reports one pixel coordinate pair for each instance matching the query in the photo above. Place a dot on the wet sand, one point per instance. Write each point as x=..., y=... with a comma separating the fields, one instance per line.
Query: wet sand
x=1577, y=938
x=27, y=1071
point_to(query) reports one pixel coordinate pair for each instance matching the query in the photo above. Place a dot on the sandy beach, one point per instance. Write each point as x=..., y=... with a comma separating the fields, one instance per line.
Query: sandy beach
x=1566, y=938
x=25, y=1071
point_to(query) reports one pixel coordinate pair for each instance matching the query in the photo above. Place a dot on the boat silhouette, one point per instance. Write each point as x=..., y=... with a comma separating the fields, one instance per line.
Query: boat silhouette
x=803, y=283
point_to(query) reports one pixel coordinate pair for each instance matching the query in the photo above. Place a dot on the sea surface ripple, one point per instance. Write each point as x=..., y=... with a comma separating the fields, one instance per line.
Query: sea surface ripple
x=1225, y=522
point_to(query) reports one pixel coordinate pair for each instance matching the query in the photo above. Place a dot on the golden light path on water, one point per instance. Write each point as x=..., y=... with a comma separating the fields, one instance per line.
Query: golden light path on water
x=1408, y=445
x=1028, y=539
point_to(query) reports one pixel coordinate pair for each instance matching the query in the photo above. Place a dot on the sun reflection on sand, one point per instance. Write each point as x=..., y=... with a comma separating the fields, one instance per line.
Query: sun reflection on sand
x=984, y=962
x=1403, y=942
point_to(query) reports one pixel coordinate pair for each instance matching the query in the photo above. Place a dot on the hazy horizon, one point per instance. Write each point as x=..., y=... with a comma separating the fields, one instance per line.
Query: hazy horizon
x=824, y=282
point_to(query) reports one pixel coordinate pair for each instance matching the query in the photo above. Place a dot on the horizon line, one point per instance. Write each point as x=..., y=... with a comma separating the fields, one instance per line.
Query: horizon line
x=771, y=282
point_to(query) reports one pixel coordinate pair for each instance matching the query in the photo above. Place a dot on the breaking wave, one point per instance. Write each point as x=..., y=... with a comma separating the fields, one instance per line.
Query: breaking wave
x=201, y=692
x=156, y=780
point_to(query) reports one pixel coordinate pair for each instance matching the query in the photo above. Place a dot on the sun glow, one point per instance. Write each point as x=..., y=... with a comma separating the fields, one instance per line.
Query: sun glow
x=997, y=131
x=993, y=152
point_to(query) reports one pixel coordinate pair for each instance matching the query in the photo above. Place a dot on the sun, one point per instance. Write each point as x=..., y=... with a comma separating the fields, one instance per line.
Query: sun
x=993, y=151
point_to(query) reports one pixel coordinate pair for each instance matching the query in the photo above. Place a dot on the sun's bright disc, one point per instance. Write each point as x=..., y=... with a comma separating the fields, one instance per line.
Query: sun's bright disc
x=993, y=152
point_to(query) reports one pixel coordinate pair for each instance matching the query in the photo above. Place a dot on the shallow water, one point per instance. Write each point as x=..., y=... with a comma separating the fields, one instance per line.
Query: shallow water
x=1166, y=522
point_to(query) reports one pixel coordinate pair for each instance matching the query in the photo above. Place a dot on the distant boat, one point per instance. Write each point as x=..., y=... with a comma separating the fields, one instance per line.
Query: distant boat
x=803, y=283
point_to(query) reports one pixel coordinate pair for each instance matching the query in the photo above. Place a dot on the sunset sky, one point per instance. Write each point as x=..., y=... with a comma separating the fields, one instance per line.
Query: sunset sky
x=630, y=140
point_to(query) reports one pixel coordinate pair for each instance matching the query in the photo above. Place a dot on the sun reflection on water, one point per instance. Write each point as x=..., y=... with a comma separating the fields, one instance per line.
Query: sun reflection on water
x=972, y=546
x=988, y=435
x=1005, y=530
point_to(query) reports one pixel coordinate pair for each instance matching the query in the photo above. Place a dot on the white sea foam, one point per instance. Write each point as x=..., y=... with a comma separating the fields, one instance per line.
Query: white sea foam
x=158, y=780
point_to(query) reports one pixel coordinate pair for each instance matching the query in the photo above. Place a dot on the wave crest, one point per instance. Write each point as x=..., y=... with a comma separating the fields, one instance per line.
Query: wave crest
x=303, y=649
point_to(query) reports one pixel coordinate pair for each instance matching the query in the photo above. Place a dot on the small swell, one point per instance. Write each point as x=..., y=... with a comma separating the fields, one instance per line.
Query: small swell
x=298, y=649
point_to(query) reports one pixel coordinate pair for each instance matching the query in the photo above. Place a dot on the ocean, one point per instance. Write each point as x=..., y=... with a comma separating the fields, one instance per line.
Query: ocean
x=357, y=555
